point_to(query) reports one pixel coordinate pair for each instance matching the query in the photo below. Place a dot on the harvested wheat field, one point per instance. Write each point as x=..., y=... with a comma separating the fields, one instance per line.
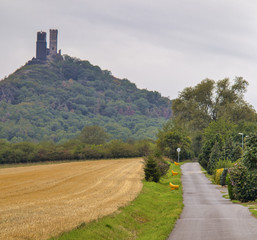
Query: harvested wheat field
x=38, y=202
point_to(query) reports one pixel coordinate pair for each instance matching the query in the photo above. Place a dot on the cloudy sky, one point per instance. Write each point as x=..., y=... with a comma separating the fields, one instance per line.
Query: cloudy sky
x=163, y=45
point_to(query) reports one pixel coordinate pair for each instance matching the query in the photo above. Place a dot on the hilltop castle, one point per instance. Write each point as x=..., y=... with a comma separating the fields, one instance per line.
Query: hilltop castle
x=42, y=52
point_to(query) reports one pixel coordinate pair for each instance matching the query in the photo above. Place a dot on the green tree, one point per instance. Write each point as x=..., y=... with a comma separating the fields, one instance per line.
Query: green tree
x=197, y=106
x=152, y=171
x=250, y=155
x=218, y=143
x=217, y=152
x=170, y=138
x=93, y=135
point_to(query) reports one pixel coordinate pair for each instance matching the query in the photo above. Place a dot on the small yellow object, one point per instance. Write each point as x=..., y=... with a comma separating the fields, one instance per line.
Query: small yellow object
x=173, y=187
x=177, y=164
x=174, y=173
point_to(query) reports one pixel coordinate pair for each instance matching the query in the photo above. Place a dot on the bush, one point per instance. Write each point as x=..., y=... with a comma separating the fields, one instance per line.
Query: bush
x=230, y=187
x=223, y=177
x=225, y=163
x=244, y=183
x=163, y=166
x=250, y=155
x=152, y=171
x=217, y=175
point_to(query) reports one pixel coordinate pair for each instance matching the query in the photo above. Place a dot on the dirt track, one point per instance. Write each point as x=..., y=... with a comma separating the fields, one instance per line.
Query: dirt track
x=38, y=202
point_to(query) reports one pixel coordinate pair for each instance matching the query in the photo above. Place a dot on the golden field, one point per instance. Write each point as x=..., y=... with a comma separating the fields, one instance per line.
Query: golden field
x=37, y=202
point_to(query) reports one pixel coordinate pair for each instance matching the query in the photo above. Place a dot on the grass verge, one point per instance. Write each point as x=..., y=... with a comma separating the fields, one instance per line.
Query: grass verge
x=252, y=207
x=210, y=177
x=152, y=215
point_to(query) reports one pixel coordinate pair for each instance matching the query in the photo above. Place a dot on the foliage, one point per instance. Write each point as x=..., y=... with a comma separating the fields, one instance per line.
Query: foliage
x=221, y=170
x=26, y=152
x=219, y=142
x=93, y=135
x=212, y=108
x=152, y=171
x=216, y=154
x=223, y=177
x=230, y=187
x=250, y=155
x=224, y=163
x=217, y=175
x=197, y=106
x=244, y=183
x=213, y=113
x=170, y=138
x=56, y=100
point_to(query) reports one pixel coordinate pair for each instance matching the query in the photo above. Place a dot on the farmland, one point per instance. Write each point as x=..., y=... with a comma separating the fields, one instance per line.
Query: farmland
x=37, y=202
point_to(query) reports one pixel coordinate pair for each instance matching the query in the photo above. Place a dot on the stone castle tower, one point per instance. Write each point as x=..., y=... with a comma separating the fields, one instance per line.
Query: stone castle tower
x=53, y=41
x=41, y=50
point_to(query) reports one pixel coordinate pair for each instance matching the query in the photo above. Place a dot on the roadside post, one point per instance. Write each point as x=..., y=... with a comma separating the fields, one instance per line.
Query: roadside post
x=178, y=150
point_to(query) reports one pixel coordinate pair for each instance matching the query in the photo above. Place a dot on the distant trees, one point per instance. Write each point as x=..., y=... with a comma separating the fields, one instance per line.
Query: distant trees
x=218, y=143
x=91, y=144
x=172, y=137
x=93, y=135
x=197, y=106
x=209, y=101
x=206, y=121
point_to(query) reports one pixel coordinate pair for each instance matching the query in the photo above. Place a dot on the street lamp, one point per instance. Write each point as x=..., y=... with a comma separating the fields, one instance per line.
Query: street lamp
x=242, y=140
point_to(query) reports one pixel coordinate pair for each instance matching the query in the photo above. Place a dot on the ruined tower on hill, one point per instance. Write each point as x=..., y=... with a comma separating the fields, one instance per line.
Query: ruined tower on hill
x=41, y=50
x=53, y=41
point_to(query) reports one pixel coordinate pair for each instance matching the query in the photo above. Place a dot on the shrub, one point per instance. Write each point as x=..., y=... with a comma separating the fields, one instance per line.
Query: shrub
x=230, y=187
x=223, y=177
x=225, y=163
x=244, y=183
x=250, y=155
x=152, y=171
x=217, y=175
x=163, y=166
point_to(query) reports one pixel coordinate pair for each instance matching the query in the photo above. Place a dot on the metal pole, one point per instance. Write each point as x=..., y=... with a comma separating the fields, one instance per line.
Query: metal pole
x=178, y=156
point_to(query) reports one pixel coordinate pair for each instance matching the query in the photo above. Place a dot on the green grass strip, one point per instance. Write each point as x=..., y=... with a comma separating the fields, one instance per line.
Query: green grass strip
x=152, y=215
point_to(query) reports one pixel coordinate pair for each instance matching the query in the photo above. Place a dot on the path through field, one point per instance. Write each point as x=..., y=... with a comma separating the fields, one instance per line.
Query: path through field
x=38, y=202
x=207, y=215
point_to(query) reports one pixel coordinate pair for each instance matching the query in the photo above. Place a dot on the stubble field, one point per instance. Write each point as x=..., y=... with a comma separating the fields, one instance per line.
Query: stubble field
x=38, y=202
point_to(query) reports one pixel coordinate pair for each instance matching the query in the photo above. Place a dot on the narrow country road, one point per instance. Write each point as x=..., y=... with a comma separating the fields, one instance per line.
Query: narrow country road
x=207, y=215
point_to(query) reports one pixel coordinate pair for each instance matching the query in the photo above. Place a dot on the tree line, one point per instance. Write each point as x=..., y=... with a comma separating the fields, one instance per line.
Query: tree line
x=92, y=143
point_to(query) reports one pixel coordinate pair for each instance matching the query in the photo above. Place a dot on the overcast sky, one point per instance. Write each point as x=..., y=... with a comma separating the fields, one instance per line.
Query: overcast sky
x=163, y=45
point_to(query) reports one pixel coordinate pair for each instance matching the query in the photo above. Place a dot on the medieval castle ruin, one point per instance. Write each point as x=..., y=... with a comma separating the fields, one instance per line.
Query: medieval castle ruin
x=42, y=52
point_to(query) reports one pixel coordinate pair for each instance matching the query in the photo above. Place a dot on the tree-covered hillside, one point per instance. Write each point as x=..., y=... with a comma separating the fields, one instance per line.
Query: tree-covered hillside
x=54, y=101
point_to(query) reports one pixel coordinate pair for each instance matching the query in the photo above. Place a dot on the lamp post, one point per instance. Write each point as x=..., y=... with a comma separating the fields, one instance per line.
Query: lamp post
x=242, y=140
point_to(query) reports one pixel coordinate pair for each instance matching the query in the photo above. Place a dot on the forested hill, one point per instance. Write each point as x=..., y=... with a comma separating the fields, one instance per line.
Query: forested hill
x=54, y=101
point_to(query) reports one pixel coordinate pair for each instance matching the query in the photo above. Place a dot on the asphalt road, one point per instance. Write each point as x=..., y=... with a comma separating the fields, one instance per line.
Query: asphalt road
x=207, y=215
